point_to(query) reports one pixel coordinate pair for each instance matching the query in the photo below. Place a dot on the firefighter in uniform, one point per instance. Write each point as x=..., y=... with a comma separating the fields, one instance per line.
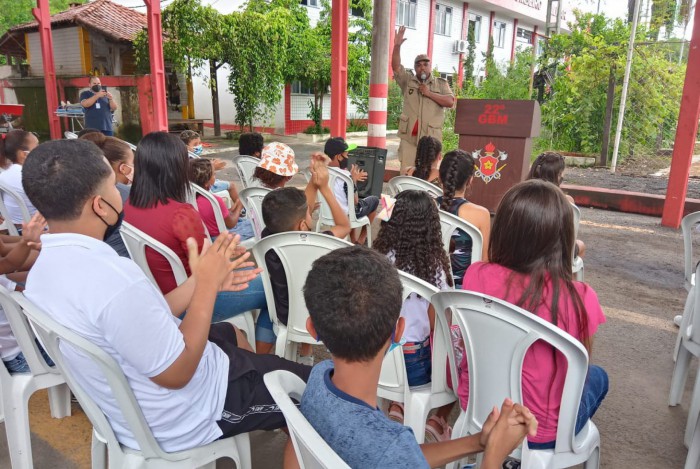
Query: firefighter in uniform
x=425, y=98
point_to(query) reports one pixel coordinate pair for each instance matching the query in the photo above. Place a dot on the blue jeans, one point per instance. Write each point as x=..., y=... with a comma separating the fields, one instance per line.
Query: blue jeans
x=418, y=363
x=244, y=228
x=219, y=186
x=19, y=363
x=594, y=391
x=229, y=304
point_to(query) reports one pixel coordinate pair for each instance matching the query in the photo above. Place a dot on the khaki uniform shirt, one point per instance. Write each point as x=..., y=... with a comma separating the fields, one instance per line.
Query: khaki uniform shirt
x=416, y=107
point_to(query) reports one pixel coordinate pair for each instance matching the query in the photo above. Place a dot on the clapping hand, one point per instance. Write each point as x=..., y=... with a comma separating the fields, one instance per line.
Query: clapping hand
x=357, y=174
x=32, y=231
x=218, y=164
x=218, y=262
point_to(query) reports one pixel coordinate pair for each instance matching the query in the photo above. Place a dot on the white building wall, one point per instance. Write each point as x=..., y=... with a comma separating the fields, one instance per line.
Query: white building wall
x=444, y=59
x=66, y=52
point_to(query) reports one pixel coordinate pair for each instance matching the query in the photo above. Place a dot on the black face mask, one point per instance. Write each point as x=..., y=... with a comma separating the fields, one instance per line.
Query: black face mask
x=96, y=88
x=343, y=164
x=111, y=229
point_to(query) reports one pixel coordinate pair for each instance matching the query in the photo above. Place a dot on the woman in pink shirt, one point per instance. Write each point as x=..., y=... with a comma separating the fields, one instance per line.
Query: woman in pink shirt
x=530, y=266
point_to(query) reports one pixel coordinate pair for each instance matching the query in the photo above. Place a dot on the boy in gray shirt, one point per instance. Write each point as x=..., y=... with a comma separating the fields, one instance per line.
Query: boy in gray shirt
x=354, y=300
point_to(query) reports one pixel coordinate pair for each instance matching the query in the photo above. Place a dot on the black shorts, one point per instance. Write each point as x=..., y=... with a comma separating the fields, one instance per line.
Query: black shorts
x=248, y=405
x=366, y=206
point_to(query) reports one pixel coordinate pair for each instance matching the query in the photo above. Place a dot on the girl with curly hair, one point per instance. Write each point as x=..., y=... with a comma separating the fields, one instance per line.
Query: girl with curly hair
x=428, y=158
x=412, y=239
x=530, y=266
x=456, y=174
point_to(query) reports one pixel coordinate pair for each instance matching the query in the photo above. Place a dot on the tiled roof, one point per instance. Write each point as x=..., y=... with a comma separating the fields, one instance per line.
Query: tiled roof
x=114, y=21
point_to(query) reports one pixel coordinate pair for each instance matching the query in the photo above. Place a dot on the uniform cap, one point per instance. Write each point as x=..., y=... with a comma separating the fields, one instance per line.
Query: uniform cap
x=421, y=58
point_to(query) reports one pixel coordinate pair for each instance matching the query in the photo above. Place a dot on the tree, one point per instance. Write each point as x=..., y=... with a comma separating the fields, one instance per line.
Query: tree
x=255, y=47
x=191, y=33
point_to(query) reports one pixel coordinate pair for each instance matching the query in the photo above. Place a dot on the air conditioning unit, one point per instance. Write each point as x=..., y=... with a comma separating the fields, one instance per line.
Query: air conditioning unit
x=460, y=47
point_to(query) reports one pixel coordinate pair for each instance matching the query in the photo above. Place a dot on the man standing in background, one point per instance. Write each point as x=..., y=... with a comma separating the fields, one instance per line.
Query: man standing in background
x=99, y=105
x=425, y=98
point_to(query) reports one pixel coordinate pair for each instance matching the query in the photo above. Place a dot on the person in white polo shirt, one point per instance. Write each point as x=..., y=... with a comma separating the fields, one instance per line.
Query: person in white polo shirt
x=84, y=285
x=14, y=149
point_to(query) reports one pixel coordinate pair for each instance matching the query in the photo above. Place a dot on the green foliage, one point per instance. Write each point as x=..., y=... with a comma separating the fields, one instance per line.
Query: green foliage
x=356, y=126
x=394, y=106
x=470, y=61
x=255, y=47
x=314, y=130
x=513, y=84
x=16, y=12
x=315, y=114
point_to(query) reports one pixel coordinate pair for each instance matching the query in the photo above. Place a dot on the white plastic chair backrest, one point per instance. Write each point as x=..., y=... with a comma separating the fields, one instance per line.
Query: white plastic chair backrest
x=245, y=165
x=577, y=218
x=51, y=333
x=403, y=183
x=70, y=135
x=690, y=332
x=393, y=374
x=497, y=336
x=11, y=228
x=19, y=201
x=192, y=155
x=687, y=226
x=24, y=335
x=326, y=216
x=312, y=450
x=449, y=223
x=218, y=215
x=136, y=242
x=252, y=198
x=297, y=250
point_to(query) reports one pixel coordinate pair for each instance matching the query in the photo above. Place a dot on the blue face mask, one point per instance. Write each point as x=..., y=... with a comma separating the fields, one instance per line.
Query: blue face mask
x=198, y=150
x=395, y=344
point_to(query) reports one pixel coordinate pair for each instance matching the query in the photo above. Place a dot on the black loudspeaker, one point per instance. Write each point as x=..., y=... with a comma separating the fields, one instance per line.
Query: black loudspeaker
x=372, y=160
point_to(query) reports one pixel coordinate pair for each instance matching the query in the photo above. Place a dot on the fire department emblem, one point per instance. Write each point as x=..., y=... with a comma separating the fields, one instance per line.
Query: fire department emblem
x=489, y=168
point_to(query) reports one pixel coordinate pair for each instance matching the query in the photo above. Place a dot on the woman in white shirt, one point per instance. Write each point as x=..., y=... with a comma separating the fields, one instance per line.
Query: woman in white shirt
x=13, y=151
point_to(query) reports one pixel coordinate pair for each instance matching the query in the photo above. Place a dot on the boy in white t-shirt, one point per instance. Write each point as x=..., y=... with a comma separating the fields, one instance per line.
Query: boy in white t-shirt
x=170, y=364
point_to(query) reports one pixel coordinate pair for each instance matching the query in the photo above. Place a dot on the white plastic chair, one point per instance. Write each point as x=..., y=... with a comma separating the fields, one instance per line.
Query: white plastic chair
x=689, y=347
x=404, y=183
x=7, y=191
x=692, y=461
x=326, y=216
x=106, y=449
x=312, y=451
x=497, y=336
x=251, y=198
x=245, y=165
x=136, y=242
x=687, y=226
x=577, y=263
x=449, y=223
x=297, y=250
x=393, y=381
x=16, y=389
x=70, y=135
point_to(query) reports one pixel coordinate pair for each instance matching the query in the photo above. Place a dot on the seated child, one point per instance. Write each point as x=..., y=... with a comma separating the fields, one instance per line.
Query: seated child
x=223, y=189
x=428, y=159
x=250, y=144
x=14, y=260
x=412, y=240
x=538, y=279
x=549, y=166
x=277, y=166
x=337, y=150
x=201, y=172
x=354, y=300
x=289, y=209
x=194, y=381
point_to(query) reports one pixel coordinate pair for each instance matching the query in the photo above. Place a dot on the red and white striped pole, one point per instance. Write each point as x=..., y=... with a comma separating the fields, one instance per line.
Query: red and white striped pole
x=379, y=81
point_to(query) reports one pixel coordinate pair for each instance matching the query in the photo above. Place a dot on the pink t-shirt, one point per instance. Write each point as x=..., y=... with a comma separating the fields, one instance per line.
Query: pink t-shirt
x=543, y=375
x=206, y=211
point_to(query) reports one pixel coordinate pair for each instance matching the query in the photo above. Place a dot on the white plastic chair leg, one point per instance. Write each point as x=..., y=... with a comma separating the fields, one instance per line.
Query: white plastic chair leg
x=99, y=452
x=693, y=413
x=693, y=459
x=415, y=415
x=686, y=315
x=17, y=428
x=243, y=444
x=594, y=461
x=59, y=401
x=680, y=374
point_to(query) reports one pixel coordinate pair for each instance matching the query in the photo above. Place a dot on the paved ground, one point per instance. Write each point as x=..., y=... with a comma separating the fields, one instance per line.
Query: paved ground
x=636, y=267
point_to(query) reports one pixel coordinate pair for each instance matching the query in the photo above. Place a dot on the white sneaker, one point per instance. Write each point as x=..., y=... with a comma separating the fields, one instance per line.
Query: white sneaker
x=677, y=320
x=307, y=360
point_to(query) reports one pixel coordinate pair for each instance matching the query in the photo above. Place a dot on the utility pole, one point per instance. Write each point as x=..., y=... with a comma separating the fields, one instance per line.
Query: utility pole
x=553, y=27
x=378, y=78
x=625, y=85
